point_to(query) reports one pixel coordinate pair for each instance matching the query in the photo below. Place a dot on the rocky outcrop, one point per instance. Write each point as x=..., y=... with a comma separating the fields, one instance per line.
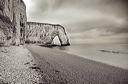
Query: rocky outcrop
x=44, y=33
x=12, y=21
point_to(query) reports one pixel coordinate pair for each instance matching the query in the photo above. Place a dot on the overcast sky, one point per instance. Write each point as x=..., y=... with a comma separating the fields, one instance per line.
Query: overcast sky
x=86, y=21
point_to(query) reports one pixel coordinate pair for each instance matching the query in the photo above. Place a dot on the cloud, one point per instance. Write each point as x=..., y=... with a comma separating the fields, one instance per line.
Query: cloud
x=82, y=18
x=117, y=38
x=48, y=7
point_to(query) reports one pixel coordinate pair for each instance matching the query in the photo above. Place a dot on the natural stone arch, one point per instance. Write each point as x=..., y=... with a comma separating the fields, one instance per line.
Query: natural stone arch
x=58, y=31
x=56, y=41
x=62, y=35
x=55, y=34
x=46, y=33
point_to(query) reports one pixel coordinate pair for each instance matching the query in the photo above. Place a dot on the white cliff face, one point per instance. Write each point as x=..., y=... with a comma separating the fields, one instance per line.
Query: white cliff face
x=6, y=26
x=13, y=20
x=45, y=33
x=19, y=20
x=13, y=24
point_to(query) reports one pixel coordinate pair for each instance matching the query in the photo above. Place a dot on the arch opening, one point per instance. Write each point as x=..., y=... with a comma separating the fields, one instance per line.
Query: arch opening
x=56, y=41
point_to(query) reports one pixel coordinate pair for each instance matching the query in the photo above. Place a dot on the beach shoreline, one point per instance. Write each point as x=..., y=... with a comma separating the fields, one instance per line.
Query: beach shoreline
x=110, y=54
x=61, y=67
x=32, y=64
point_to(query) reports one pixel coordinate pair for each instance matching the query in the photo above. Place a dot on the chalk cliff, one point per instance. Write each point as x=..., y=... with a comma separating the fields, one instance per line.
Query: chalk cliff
x=44, y=33
x=6, y=26
x=12, y=21
x=14, y=28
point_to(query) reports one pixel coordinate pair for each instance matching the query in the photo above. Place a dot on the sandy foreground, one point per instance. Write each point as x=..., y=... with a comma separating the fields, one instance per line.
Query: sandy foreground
x=38, y=65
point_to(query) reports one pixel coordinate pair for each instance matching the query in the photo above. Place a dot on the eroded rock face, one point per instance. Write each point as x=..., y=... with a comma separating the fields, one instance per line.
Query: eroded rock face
x=6, y=27
x=45, y=33
x=19, y=21
x=13, y=21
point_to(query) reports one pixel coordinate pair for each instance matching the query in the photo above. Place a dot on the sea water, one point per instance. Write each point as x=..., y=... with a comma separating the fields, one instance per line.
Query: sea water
x=112, y=54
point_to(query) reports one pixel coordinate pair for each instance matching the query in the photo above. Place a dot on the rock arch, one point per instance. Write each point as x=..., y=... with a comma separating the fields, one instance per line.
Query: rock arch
x=61, y=34
x=44, y=33
x=56, y=41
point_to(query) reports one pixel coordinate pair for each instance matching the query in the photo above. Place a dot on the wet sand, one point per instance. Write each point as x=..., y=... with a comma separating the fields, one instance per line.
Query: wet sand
x=57, y=67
